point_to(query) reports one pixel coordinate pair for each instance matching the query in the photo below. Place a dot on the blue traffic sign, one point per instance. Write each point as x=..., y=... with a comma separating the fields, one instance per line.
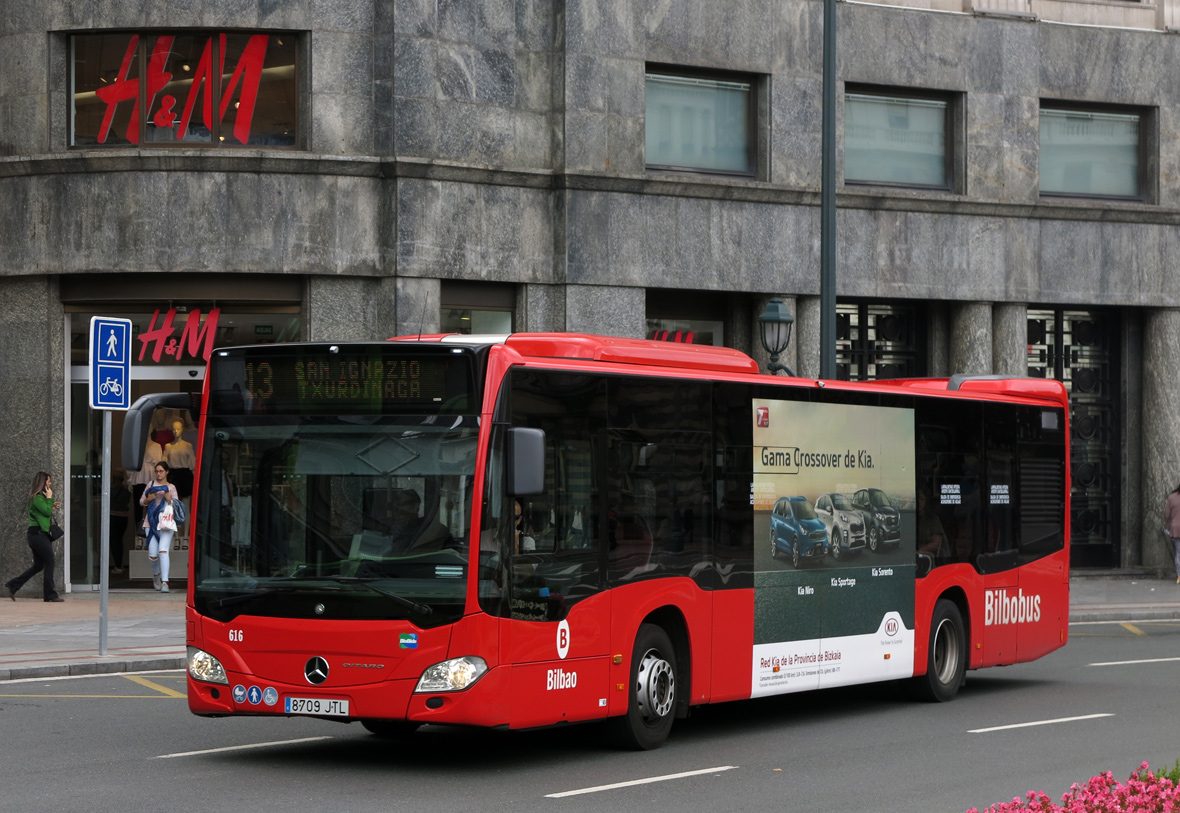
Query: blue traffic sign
x=110, y=363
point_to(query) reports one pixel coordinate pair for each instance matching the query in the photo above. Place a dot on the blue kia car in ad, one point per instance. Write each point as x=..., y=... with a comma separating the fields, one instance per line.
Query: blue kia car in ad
x=796, y=529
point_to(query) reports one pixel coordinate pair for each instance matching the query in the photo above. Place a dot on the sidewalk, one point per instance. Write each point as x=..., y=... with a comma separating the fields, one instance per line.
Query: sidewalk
x=1094, y=597
x=145, y=629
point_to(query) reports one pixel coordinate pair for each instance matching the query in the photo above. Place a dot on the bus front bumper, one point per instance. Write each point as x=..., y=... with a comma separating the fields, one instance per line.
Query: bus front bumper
x=484, y=703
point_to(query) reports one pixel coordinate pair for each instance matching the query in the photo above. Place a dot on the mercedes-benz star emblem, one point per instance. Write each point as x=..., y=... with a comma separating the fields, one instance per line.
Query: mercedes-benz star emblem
x=316, y=671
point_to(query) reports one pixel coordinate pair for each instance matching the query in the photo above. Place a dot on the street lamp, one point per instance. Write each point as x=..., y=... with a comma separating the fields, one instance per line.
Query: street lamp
x=774, y=329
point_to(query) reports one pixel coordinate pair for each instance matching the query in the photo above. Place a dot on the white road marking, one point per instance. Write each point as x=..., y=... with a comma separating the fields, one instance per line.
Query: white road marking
x=1037, y=722
x=634, y=782
x=1128, y=663
x=239, y=747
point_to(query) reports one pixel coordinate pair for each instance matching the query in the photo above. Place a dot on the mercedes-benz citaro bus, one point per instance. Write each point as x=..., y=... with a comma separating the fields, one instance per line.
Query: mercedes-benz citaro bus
x=532, y=529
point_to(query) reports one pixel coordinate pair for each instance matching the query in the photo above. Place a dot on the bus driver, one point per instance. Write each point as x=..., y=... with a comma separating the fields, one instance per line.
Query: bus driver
x=412, y=533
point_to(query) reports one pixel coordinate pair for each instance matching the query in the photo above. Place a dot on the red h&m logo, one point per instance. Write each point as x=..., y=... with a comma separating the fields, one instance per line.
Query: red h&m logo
x=244, y=80
x=763, y=417
x=196, y=338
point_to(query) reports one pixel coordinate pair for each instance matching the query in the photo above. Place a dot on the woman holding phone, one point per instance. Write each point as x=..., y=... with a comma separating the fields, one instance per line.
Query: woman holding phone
x=41, y=508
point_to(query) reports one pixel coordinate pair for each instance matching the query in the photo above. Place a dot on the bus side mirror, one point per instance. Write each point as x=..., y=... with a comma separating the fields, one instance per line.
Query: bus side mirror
x=138, y=421
x=526, y=461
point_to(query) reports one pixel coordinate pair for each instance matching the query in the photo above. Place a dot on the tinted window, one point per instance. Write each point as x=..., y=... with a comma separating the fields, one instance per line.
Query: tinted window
x=1090, y=152
x=896, y=139
x=991, y=483
x=699, y=122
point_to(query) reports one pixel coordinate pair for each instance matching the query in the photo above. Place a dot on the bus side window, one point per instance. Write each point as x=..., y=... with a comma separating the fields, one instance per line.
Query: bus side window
x=564, y=565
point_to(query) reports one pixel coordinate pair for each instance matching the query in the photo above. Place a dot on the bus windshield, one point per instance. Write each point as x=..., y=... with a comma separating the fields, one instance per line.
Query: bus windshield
x=359, y=517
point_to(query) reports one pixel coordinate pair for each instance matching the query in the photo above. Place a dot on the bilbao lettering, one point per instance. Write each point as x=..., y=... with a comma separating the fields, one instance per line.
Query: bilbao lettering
x=560, y=679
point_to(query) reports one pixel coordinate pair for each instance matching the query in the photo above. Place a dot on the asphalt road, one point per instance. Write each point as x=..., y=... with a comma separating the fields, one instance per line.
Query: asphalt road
x=127, y=742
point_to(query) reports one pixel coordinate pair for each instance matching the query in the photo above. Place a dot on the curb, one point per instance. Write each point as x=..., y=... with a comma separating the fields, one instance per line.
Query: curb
x=1128, y=613
x=93, y=668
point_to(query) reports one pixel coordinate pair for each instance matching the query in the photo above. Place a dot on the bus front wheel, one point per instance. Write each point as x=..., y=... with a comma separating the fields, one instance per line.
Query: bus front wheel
x=652, y=701
x=946, y=657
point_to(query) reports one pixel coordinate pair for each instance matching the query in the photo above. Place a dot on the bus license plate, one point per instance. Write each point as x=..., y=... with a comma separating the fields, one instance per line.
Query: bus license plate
x=328, y=707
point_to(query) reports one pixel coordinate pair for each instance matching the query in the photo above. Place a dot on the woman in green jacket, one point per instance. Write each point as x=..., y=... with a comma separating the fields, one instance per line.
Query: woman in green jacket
x=41, y=508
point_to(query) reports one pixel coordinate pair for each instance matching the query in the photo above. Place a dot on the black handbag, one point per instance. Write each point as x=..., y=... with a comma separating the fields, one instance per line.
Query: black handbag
x=55, y=532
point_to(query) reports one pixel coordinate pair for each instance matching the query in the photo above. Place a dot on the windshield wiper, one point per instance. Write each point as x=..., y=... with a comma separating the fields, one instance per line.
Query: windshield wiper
x=286, y=586
x=238, y=599
x=368, y=582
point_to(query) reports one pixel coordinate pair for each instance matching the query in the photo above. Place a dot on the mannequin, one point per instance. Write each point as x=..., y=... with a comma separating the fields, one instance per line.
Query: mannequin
x=182, y=459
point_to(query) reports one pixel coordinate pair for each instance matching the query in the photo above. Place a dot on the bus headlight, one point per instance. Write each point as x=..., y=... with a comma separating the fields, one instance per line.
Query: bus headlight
x=454, y=675
x=205, y=667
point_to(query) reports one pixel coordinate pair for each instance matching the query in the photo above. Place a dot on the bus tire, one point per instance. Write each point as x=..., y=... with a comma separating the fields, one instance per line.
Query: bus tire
x=946, y=656
x=390, y=729
x=651, y=704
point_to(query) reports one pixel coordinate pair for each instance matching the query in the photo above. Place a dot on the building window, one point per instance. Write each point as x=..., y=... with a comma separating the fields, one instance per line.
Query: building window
x=1093, y=152
x=188, y=89
x=690, y=317
x=701, y=122
x=477, y=307
x=902, y=140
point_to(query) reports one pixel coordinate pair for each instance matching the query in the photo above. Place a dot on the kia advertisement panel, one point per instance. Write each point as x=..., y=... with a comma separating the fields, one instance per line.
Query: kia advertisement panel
x=829, y=608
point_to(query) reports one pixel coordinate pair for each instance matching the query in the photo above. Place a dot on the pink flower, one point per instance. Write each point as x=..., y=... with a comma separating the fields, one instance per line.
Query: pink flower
x=1143, y=792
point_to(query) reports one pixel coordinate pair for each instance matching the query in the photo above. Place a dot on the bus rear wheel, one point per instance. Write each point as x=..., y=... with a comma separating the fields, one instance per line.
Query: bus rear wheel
x=946, y=657
x=652, y=701
x=390, y=729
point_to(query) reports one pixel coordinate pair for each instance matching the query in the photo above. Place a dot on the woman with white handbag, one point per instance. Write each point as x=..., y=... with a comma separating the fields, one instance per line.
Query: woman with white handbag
x=159, y=521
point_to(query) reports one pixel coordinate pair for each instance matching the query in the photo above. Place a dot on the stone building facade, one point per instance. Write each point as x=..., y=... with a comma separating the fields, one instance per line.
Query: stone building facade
x=411, y=163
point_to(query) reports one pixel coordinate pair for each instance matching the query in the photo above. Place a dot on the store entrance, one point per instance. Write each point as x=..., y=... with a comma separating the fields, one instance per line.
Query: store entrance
x=128, y=557
x=1080, y=349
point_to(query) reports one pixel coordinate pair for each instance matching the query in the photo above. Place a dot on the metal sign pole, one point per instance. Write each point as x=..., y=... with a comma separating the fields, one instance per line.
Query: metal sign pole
x=104, y=552
x=110, y=389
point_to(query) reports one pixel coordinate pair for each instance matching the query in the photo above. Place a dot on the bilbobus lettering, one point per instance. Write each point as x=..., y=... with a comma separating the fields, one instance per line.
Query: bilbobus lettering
x=1000, y=608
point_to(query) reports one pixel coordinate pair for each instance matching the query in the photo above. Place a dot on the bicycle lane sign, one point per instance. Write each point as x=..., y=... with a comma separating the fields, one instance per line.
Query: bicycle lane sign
x=110, y=363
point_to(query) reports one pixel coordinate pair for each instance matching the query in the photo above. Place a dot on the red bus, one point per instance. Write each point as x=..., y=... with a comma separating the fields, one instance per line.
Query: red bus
x=533, y=529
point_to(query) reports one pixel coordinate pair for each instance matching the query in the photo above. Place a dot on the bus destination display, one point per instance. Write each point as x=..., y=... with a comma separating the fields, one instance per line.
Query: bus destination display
x=376, y=383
